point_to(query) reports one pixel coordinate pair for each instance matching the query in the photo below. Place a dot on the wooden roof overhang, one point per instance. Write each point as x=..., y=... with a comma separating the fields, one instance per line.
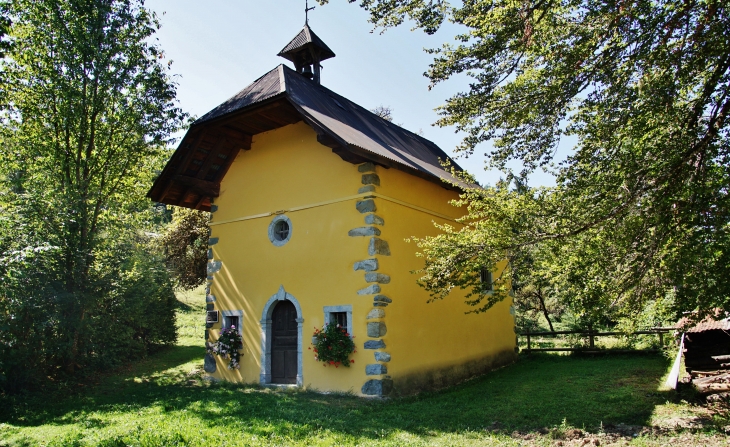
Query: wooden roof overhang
x=193, y=175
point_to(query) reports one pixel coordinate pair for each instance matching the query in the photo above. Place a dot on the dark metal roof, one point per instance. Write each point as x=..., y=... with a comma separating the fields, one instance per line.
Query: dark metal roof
x=306, y=37
x=341, y=119
x=265, y=87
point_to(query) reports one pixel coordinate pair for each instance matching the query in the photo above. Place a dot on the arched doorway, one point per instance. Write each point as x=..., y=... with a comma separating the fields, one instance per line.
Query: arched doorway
x=288, y=337
x=284, y=342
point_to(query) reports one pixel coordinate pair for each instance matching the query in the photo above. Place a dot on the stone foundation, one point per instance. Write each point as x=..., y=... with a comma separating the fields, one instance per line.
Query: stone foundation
x=437, y=378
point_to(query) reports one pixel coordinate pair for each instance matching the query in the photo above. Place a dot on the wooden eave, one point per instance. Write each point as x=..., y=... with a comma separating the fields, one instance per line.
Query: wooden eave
x=194, y=173
x=357, y=155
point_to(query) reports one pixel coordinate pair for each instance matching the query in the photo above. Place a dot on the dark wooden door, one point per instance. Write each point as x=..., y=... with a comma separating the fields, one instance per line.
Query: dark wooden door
x=284, y=343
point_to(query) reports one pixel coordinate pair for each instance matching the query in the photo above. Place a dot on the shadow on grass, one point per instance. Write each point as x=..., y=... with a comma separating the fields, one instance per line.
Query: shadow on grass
x=538, y=391
x=185, y=307
x=54, y=406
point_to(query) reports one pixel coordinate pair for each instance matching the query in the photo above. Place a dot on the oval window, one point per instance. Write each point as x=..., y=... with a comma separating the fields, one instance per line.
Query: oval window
x=280, y=230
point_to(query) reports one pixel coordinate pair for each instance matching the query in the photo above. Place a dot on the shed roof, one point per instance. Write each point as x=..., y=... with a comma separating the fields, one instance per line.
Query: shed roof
x=710, y=323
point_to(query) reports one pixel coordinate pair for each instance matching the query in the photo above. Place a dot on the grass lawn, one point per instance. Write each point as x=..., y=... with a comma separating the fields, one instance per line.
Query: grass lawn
x=541, y=400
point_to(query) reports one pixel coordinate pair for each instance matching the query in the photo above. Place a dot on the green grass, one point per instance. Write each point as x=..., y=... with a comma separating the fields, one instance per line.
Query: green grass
x=164, y=401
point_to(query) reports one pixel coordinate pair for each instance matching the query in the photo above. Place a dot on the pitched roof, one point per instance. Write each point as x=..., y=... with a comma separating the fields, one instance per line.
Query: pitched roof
x=349, y=124
x=306, y=37
x=192, y=176
x=708, y=324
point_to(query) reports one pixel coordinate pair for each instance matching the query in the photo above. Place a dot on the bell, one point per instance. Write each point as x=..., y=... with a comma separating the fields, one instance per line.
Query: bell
x=307, y=72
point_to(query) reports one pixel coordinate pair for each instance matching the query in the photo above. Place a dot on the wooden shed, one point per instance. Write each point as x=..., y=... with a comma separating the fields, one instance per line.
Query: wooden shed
x=707, y=345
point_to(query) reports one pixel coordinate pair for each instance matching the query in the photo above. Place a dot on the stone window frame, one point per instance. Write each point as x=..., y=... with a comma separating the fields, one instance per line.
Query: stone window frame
x=266, y=336
x=233, y=313
x=342, y=308
x=272, y=227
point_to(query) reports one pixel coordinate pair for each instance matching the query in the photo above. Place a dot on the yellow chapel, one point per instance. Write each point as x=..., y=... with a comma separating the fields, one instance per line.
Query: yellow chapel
x=313, y=200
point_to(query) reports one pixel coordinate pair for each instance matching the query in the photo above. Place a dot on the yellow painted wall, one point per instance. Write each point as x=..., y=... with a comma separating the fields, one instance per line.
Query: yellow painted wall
x=288, y=168
x=439, y=334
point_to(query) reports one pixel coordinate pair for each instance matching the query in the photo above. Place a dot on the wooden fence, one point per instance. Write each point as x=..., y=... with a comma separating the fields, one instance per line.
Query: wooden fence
x=591, y=335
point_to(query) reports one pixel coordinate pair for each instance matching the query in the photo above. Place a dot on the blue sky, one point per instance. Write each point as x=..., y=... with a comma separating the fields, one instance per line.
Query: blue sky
x=220, y=46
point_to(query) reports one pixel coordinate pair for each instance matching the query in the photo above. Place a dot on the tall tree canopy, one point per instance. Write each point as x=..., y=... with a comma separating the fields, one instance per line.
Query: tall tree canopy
x=85, y=109
x=641, y=208
x=185, y=243
x=4, y=26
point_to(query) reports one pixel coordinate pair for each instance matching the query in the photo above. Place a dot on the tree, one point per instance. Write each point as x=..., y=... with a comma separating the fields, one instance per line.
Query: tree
x=86, y=106
x=384, y=112
x=4, y=27
x=641, y=208
x=185, y=243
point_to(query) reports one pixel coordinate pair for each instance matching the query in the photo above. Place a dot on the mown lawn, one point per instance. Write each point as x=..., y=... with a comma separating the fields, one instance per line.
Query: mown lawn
x=541, y=400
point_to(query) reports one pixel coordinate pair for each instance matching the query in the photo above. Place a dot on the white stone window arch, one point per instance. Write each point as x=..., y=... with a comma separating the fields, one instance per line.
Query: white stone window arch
x=266, y=323
x=280, y=230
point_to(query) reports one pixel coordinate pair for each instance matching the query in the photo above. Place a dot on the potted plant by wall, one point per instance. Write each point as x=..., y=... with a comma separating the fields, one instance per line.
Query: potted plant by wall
x=228, y=345
x=332, y=345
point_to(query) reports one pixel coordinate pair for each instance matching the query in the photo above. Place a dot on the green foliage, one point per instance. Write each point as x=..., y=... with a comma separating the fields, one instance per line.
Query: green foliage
x=185, y=242
x=164, y=399
x=333, y=345
x=4, y=27
x=228, y=345
x=85, y=109
x=132, y=314
x=641, y=207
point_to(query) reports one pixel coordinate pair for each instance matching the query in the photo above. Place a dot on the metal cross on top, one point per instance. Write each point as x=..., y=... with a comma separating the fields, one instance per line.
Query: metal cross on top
x=306, y=12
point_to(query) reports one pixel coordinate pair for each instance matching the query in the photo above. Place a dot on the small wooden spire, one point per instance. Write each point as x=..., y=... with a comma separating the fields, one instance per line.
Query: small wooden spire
x=307, y=50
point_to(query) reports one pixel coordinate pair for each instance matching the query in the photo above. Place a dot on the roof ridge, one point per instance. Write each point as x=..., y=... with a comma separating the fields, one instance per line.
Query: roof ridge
x=390, y=123
x=223, y=109
x=307, y=30
x=283, y=86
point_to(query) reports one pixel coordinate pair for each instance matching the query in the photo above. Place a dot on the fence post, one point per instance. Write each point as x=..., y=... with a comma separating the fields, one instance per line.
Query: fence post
x=590, y=337
x=528, y=341
x=661, y=339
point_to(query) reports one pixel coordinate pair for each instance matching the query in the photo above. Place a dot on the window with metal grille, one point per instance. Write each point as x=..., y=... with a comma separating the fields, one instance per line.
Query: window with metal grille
x=486, y=279
x=281, y=230
x=339, y=318
x=341, y=315
x=231, y=320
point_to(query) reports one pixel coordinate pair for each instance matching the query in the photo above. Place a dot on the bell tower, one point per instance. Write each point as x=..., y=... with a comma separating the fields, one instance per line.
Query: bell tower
x=306, y=50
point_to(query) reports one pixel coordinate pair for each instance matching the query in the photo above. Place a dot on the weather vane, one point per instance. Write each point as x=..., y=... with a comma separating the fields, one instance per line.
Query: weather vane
x=306, y=12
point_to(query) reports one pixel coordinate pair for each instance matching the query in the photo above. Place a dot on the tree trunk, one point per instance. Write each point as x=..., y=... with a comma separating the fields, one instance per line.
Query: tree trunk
x=538, y=294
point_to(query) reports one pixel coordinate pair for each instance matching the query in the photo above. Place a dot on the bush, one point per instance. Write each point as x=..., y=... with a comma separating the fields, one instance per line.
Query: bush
x=185, y=242
x=132, y=312
x=333, y=345
x=228, y=345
